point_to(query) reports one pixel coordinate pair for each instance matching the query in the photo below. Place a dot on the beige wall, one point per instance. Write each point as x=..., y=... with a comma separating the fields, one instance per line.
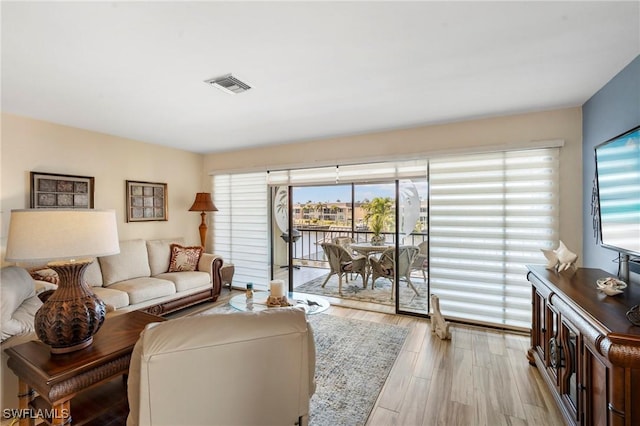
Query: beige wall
x=516, y=130
x=32, y=145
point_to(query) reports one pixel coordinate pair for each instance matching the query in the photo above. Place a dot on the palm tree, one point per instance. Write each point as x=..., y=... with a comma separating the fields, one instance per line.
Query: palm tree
x=320, y=209
x=306, y=209
x=378, y=216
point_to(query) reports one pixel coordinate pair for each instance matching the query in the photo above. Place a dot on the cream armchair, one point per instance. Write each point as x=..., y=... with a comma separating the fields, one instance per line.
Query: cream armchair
x=241, y=368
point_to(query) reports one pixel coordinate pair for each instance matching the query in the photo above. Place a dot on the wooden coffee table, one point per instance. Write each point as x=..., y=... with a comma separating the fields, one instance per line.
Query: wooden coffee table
x=58, y=379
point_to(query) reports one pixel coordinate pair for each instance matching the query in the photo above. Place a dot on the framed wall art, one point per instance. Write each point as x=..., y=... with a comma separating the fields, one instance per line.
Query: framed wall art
x=51, y=190
x=146, y=201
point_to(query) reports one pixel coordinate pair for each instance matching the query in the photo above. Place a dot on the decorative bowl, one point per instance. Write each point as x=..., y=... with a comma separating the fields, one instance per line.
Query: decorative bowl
x=611, y=286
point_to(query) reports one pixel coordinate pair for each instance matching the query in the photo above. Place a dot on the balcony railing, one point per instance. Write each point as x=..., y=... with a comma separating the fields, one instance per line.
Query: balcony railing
x=307, y=247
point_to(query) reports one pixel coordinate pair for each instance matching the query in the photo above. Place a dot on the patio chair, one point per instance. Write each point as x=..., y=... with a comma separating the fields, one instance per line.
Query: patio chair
x=421, y=261
x=344, y=242
x=342, y=263
x=384, y=266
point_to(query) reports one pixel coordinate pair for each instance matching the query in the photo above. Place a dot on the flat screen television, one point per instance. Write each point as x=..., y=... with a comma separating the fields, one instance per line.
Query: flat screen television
x=618, y=186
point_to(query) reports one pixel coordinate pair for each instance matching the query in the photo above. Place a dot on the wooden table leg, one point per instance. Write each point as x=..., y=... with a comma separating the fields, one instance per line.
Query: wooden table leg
x=25, y=396
x=61, y=413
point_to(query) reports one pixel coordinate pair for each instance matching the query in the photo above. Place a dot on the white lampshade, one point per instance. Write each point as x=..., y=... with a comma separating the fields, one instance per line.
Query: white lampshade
x=55, y=234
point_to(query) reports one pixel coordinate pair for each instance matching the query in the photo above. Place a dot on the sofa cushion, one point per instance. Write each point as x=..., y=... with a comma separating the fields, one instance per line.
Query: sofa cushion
x=93, y=274
x=146, y=288
x=110, y=296
x=131, y=262
x=184, y=258
x=159, y=254
x=16, y=286
x=186, y=280
x=22, y=321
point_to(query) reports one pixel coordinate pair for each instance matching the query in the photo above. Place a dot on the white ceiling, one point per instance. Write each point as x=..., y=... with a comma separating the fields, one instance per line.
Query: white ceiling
x=318, y=69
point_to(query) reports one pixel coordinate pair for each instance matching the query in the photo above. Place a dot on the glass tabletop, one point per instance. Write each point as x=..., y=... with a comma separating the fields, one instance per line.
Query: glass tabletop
x=312, y=304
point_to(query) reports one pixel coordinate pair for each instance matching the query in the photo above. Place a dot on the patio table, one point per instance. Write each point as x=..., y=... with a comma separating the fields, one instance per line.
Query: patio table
x=368, y=249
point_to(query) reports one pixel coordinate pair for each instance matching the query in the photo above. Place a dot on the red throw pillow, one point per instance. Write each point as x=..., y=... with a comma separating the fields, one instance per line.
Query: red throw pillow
x=184, y=258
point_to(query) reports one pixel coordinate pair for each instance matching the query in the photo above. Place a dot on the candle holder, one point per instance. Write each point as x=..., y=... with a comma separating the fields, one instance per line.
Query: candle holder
x=277, y=296
x=281, y=301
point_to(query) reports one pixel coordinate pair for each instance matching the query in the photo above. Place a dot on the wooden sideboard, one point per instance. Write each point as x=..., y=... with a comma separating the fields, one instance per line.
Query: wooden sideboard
x=584, y=346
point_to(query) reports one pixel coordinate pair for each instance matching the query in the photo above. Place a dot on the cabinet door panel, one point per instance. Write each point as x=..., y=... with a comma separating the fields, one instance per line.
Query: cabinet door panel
x=554, y=345
x=595, y=396
x=538, y=332
x=633, y=393
x=569, y=367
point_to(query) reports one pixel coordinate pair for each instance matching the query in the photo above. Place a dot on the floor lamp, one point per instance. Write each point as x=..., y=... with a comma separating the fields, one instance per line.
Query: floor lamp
x=69, y=239
x=203, y=204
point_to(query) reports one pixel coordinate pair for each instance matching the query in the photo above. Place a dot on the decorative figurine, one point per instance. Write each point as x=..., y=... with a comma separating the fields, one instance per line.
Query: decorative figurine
x=611, y=286
x=273, y=301
x=561, y=258
x=438, y=325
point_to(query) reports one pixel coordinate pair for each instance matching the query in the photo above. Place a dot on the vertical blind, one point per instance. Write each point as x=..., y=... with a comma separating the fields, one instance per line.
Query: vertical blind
x=490, y=214
x=241, y=225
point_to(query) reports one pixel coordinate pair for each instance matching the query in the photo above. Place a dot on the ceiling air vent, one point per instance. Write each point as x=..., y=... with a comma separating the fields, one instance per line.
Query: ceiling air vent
x=229, y=84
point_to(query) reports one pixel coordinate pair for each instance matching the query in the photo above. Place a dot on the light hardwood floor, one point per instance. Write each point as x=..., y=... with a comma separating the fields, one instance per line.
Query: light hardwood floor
x=479, y=377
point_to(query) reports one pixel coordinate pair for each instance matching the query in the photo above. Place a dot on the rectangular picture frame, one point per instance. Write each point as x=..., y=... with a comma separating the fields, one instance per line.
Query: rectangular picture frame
x=59, y=191
x=146, y=201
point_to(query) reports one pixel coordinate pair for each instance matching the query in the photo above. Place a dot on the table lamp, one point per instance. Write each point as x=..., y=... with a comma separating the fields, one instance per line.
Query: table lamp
x=68, y=239
x=203, y=204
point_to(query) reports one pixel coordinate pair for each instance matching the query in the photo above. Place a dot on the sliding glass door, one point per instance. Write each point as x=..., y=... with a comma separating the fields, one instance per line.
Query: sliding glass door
x=284, y=238
x=382, y=225
x=476, y=220
x=413, y=246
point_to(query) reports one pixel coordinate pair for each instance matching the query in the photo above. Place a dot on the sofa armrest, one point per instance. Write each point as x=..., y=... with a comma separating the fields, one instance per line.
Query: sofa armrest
x=212, y=263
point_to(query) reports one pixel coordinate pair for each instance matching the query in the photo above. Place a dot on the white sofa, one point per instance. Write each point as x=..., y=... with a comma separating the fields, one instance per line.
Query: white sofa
x=243, y=368
x=134, y=279
x=138, y=279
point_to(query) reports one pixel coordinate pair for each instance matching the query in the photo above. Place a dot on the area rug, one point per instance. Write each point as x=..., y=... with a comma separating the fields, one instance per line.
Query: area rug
x=381, y=294
x=353, y=360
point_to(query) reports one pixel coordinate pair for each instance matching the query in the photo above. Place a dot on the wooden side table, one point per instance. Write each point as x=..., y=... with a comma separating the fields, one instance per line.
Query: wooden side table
x=57, y=379
x=227, y=271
